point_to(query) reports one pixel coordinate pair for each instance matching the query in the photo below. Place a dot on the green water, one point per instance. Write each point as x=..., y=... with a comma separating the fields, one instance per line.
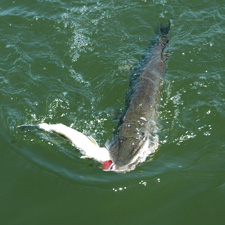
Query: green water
x=69, y=62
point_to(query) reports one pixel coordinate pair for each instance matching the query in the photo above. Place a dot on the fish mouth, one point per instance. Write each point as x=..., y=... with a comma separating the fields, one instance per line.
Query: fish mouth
x=121, y=169
x=140, y=156
x=130, y=156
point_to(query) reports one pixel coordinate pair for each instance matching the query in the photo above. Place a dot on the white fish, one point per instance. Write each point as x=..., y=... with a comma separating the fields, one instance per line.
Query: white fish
x=90, y=149
x=87, y=145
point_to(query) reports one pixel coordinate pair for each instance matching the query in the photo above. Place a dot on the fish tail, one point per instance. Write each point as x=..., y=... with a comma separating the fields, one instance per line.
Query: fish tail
x=28, y=127
x=164, y=32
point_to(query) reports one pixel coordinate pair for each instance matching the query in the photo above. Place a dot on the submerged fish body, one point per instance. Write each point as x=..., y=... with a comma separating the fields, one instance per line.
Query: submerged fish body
x=138, y=122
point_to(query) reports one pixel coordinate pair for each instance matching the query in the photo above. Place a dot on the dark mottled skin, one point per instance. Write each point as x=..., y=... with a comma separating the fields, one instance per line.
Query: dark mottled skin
x=136, y=125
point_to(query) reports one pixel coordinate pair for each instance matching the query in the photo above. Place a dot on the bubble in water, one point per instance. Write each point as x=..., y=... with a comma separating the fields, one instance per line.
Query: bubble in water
x=207, y=133
x=119, y=189
x=144, y=183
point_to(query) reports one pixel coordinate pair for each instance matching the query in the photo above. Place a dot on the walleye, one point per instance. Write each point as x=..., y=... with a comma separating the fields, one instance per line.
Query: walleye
x=131, y=144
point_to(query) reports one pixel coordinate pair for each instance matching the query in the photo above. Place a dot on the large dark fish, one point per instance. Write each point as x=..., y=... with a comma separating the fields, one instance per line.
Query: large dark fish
x=137, y=124
x=132, y=143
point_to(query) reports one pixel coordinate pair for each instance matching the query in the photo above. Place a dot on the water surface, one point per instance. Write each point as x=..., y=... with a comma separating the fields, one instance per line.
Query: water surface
x=69, y=62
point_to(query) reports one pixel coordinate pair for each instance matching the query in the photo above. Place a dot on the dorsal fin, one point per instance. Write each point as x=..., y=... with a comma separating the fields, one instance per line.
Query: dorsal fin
x=93, y=140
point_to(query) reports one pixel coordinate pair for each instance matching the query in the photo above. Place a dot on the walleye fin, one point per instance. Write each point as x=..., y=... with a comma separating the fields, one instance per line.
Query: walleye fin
x=93, y=140
x=28, y=128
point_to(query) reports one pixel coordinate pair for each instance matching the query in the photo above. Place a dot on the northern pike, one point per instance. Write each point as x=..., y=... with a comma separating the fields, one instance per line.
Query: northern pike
x=137, y=124
x=131, y=144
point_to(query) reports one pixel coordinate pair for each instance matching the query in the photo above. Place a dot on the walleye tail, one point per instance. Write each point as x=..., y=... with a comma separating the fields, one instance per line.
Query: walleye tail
x=28, y=128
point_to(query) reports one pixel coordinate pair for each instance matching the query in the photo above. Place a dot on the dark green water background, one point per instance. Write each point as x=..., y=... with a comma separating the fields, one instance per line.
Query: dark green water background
x=69, y=62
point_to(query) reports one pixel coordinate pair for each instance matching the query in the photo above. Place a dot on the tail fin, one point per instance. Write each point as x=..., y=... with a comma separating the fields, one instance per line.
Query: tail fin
x=164, y=33
x=164, y=30
x=28, y=128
